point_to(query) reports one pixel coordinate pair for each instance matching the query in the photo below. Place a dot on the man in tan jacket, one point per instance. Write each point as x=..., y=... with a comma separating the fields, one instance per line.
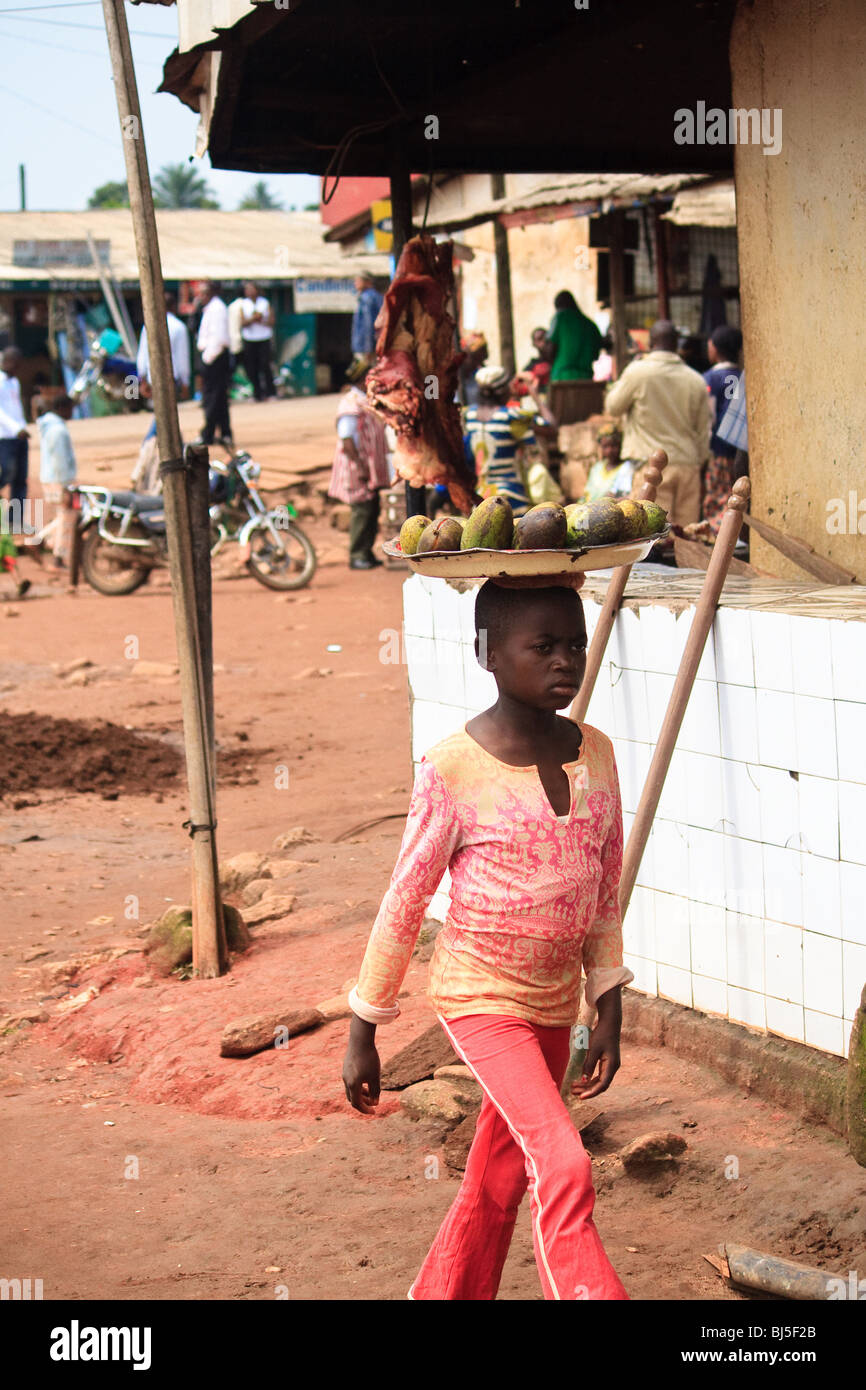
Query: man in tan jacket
x=665, y=405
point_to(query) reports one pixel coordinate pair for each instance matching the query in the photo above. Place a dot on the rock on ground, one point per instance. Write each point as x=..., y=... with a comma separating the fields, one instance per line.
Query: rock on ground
x=462, y=1080
x=459, y=1142
x=268, y=910
x=248, y=1035
x=241, y=869
x=418, y=1060
x=649, y=1150
x=435, y=1100
x=298, y=835
x=169, y=942
x=237, y=934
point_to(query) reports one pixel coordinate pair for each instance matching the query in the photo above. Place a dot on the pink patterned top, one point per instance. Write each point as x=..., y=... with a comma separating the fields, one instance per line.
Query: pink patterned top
x=534, y=897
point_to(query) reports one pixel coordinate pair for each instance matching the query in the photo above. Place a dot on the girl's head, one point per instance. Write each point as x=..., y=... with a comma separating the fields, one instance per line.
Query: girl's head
x=609, y=443
x=533, y=641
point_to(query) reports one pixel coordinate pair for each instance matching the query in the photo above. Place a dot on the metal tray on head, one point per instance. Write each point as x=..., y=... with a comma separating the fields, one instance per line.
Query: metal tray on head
x=479, y=563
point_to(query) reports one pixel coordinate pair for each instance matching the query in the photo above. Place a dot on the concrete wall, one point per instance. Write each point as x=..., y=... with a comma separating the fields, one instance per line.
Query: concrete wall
x=802, y=227
x=545, y=258
x=750, y=898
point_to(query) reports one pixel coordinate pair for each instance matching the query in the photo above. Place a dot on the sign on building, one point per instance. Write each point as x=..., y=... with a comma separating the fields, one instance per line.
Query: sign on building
x=325, y=296
x=39, y=252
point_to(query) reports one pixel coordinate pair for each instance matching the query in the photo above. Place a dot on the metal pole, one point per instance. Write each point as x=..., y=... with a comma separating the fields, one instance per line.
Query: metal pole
x=206, y=903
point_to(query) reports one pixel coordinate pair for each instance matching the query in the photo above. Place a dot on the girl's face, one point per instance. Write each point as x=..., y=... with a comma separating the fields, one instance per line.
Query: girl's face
x=542, y=660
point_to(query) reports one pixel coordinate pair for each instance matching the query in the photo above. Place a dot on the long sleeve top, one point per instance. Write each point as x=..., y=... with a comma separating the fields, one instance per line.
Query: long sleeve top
x=534, y=896
x=178, y=338
x=364, y=321
x=213, y=332
x=56, y=455
x=12, y=420
x=664, y=405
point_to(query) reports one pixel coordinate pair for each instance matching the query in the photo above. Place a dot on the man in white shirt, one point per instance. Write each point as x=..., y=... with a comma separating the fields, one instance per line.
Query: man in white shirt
x=213, y=345
x=145, y=474
x=13, y=433
x=179, y=339
x=665, y=405
x=257, y=322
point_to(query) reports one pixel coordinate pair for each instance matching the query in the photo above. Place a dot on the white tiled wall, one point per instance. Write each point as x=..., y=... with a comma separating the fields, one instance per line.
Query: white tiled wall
x=751, y=897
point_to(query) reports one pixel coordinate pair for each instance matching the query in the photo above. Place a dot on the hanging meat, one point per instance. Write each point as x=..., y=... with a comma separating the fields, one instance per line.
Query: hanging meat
x=414, y=382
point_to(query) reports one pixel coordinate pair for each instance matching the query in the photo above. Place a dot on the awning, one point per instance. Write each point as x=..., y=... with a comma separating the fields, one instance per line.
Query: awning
x=320, y=86
x=710, y=205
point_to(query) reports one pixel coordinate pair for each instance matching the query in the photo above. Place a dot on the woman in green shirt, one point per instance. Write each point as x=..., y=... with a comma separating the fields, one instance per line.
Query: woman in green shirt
x=574, y=339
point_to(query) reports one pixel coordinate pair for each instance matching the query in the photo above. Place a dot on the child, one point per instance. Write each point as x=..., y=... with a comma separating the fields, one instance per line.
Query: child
x=609, y=476
x=57, y=466
x=523, y=807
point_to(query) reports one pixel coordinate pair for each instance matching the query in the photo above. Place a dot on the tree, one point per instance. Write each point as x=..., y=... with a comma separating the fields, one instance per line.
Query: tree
x=259, y=199
x=179, y=186
x=109, y=195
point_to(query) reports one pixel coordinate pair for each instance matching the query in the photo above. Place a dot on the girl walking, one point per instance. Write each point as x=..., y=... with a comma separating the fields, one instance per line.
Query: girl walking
x=522, y=806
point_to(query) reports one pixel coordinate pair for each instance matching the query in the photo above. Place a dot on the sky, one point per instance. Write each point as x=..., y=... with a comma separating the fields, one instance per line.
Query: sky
x=58, y=112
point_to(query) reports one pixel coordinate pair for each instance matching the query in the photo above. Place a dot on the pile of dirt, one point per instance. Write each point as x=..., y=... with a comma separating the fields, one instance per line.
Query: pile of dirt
x=41, y=753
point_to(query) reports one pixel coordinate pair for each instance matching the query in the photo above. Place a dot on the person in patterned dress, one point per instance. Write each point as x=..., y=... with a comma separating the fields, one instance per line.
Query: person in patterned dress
x=359, y=471
x=522, y=807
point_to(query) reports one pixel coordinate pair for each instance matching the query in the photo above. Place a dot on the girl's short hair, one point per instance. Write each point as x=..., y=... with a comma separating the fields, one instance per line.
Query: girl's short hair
x=497, y=607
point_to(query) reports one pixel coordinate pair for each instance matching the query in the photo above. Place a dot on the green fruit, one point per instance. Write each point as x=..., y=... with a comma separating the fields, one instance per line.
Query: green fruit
x=575, y=517
x=444, y=534
x=490, y=526
x=604, y=522
x=656, y=518
x=635, y=519
x=411, y=531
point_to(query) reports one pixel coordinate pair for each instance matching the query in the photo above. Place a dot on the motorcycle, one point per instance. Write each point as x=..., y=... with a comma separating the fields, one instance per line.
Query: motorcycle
x=117, y=376
x=123, y=533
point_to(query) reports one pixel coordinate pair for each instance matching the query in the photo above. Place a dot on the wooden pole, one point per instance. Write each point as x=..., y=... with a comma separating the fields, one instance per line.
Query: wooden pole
x=612, y=601
x=703, y=620
x=206, y=903
x=617, y=289
x=661, y=265
x=74, y=540
x=199, y=516
x=504, y=307
x=109, y=296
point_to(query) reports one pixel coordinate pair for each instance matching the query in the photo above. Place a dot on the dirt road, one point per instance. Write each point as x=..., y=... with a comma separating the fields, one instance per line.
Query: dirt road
x=138, y=1162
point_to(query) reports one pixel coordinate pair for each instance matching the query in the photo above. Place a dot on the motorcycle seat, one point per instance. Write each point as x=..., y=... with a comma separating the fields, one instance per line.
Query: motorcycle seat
x=137, y=501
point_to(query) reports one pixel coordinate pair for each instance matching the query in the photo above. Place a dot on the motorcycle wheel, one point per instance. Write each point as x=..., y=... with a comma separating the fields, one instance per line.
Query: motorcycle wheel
x=109, y=569
x=292, y=566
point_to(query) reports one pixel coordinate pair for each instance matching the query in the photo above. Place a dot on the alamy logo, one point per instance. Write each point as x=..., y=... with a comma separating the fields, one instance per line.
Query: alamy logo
x=737, y=126
x=76, y=1343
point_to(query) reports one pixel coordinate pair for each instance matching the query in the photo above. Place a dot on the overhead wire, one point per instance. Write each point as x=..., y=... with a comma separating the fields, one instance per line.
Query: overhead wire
x=57, y=116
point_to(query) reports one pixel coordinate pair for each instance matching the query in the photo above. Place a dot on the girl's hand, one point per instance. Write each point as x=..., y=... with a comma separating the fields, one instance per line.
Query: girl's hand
x=361, y=1070
x=601, y=1064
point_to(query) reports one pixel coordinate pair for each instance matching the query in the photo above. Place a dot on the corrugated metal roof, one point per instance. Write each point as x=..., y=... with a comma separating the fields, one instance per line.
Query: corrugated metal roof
x=588, y=192
x=193, y=243
x=620, y=188
x=712, y=205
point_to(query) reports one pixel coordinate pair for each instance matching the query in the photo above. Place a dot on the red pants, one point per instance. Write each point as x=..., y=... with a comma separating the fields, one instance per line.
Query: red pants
x=524, y=1137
